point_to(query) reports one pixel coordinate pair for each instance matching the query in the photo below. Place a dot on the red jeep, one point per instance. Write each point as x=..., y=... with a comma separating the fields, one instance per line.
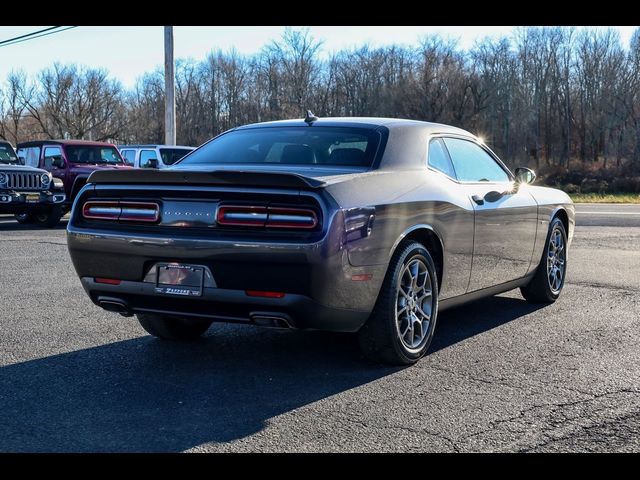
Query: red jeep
x=72, y=161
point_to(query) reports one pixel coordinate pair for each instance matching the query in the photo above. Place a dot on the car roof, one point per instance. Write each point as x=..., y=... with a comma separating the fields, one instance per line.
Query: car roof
x=154, y=145
x=370, y=122
x=37, y=143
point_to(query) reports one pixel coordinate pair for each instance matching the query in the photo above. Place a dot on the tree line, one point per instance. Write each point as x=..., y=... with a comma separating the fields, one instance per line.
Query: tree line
x=544, y=96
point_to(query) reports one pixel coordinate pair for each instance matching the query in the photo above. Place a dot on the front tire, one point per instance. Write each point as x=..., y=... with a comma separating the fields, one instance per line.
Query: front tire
x=173, y=328
x=49, y=219
x=547, y=283
x=400, y=328
x=24, y=218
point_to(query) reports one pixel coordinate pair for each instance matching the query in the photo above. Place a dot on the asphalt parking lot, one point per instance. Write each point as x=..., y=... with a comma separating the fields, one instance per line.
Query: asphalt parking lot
x=503, y=375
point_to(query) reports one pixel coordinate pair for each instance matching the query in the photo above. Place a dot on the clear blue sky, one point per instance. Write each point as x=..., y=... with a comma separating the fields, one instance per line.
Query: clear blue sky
x=128, y=52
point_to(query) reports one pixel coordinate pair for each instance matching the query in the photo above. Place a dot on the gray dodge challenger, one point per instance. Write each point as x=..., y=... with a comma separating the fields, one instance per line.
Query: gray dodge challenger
x=367, y=225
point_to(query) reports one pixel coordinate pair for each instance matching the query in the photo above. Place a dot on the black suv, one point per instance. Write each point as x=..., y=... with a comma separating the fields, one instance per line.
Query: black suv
x=31, y=194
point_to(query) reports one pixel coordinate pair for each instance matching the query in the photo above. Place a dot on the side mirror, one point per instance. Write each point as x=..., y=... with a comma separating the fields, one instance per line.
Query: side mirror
x=152, y=163
x=57, y=162
x=525, y=175
x=23, y=160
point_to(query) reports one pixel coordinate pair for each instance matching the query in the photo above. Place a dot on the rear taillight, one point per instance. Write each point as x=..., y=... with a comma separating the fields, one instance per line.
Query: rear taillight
x=269, y=217
x=242, y=216
x=291, y=218
x=101, y=210
x=148, y=212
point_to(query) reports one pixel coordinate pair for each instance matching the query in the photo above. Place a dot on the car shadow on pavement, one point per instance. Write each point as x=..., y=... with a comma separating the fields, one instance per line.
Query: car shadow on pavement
x=463, y=322
x=13, y=226
x=145, y=394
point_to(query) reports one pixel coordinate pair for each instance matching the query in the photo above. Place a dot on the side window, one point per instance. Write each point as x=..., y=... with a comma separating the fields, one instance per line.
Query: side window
x=439, y=158
x=31, y=156
x=472, y=163
x=129, y=156
x=51, y=155
x=145, y=156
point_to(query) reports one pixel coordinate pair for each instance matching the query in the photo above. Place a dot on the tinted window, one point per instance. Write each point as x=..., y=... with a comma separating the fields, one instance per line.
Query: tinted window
x=7, y=155
x=172, y=155
x=129, y=156
x=333, y=146
x=93, y=154
x=473, y=164
x=439, y=158
x=145, y=156
x=51, y=154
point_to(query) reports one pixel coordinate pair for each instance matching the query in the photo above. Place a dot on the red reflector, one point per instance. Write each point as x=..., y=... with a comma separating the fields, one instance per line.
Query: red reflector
x=362, y=277
x=260, y=293
x=108, y=281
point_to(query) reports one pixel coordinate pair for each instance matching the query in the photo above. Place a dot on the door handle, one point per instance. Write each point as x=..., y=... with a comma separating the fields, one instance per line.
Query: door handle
x=478, y=199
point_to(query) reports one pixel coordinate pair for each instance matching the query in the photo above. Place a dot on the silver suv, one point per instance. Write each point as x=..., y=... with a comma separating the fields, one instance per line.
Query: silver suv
x=153, y=156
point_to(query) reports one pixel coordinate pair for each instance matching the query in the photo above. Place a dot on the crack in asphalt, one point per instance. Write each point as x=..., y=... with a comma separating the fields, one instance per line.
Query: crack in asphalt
x=554, y=407
x=594, y=437
x=438, y=435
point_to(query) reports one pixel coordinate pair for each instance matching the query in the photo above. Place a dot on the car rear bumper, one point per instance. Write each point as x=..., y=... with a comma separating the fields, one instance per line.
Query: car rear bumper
x=321, y=289
x=291, y=311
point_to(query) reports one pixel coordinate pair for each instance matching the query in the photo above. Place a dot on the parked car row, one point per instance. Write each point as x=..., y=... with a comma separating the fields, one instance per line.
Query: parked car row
x=40, y=181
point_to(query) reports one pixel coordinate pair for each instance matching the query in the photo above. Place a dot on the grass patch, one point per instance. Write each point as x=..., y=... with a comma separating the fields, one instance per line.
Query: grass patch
x=605, y=198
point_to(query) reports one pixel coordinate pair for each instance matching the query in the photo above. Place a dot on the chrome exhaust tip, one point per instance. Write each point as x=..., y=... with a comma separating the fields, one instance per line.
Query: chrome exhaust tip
x=115, y=305
x=271, y=319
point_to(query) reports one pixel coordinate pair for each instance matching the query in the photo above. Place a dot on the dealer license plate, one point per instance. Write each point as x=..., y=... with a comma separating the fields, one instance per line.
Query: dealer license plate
x=32, y=197
x=180, y=280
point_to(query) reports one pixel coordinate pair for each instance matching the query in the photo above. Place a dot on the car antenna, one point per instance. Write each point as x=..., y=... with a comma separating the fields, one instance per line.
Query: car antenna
x=310, y=118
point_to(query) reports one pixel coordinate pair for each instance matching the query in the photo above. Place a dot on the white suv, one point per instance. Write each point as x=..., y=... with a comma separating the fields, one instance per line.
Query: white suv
x=153, y=156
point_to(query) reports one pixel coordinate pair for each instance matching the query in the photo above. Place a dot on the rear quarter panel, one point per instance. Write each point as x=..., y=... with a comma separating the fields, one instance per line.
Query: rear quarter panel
x=404, y=199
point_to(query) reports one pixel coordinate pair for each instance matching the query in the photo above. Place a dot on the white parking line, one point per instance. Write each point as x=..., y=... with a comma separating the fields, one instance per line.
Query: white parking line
x=607, y=213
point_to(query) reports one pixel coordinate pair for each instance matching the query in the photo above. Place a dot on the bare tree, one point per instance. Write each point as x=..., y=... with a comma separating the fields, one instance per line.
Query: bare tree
x=547, y=95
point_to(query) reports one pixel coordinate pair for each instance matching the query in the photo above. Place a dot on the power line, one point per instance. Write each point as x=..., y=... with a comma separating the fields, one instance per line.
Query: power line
x=34, y=35
x=29, y=34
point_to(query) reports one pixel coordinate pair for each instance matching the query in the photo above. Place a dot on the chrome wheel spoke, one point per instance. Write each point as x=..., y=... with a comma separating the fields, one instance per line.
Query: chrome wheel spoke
x=410, y=333
x=404, y=294
x=425, y=294
x=556, y=257
x=414, y=302
x=404, y=330
x=423, y=314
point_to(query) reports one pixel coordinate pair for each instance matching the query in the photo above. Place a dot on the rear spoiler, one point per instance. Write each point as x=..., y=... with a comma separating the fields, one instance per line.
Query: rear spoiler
x=217, y=177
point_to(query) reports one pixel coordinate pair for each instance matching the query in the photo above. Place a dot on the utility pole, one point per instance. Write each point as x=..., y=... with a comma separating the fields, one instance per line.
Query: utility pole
x=169, y=89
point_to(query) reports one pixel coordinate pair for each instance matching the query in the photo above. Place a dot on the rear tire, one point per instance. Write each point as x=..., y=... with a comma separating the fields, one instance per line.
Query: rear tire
x=173, y=328
x=400, y=328
x=546, y=285
x=49, y=219
x=24, y=218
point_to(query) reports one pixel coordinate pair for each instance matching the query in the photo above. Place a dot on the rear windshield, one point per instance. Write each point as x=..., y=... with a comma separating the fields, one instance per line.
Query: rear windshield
x=321, y=146
x=172, y=155
x=93, y=154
